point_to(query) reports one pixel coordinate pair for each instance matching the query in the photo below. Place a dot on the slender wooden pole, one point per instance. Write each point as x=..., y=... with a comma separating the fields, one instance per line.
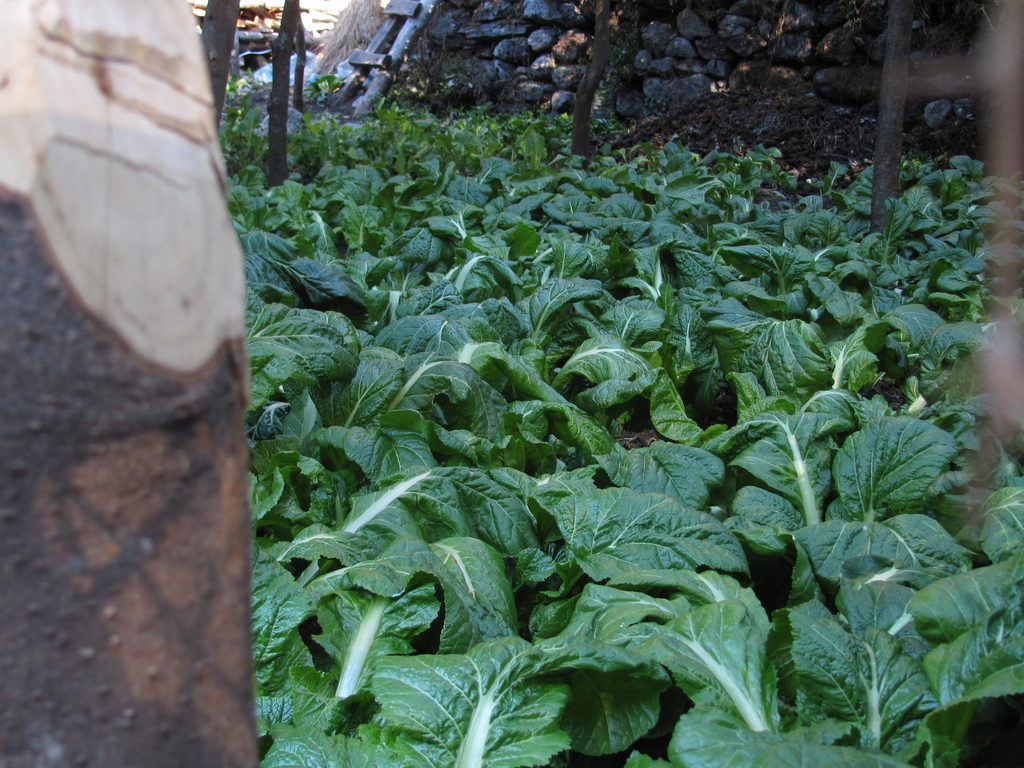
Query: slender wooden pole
x=277, y=108
x=891, y=102
x=584, y=104
x=219, y=26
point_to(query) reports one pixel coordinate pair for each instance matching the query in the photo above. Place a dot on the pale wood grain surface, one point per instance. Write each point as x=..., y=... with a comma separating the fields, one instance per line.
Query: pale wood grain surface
x=111, y=137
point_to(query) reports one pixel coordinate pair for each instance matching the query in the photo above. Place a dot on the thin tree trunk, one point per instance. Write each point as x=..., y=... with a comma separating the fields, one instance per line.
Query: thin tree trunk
x=124, y=534
x=891, y=103
x=300, y=65
x=219, y=26
x=584, y=103
x=277, y=108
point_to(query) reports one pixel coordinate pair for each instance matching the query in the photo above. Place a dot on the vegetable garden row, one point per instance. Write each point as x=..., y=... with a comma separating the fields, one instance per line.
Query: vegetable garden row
x=652, y=460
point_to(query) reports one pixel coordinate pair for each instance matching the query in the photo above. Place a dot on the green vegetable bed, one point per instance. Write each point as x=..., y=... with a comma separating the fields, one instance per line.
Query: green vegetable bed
x=646, y=464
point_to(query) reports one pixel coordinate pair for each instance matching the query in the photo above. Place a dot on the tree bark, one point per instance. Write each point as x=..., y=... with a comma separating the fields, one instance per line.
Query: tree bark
x=219, y=26
x=891, y=103
x=300, y=65
x=124, y=554
x=587, y=90
x=277, y=108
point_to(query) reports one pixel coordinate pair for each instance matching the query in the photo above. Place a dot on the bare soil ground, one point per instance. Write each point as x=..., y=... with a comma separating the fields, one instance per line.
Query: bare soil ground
x=809, y=131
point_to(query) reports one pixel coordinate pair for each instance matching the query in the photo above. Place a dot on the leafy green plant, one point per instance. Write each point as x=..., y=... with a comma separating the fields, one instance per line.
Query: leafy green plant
x=553, y=462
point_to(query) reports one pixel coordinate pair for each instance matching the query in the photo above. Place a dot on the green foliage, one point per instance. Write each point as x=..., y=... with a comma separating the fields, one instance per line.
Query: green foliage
x=553, y=462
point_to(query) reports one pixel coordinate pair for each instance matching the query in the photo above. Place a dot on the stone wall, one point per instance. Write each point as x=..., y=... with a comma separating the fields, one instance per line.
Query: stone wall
x=534, y=52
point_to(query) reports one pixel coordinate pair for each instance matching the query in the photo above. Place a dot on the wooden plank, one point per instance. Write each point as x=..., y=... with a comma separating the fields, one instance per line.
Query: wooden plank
x=403, y=8
x=361, y=58
x=379, y=42
x=408, y=32
x=325, y=6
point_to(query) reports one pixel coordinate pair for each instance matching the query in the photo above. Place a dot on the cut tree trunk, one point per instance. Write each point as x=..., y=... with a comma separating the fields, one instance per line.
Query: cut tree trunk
x=277, y=107
x=124, y=546
x=891, y=103
x=219, y=26
x=584, y=104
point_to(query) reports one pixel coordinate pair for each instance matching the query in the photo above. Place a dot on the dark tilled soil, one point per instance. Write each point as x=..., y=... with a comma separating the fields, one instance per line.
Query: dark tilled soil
x=809, y=131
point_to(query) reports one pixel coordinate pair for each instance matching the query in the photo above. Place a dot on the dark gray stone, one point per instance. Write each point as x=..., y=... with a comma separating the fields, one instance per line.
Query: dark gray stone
x=681, y=48
x=567, y=76
x=663, y=67
x=793, y=48
x=445, y=27
x=719, y=68
x=513, y=49
x=662, y=92
x=501, y=70
x=873, y=16
x=656, y=37
x=745, y=8
x=542, y=67
x=848, y=85
x=562, y=101
x=629, y=104
x=530, y=92
x=546, y=11
x=796, y=17
x=832, y=14
x=541, y=40
x=936, y=112
x=964, y=109
x=571, y=46
x=746, y=45
x=690, y=24
x=642, y=60
x=495, y=30
x=691, y=66
x=493, y=10
x=658, y=91
x=731, y=25
x=691, y=87
x=761, y=76
x=715, y=48
x=841, y=46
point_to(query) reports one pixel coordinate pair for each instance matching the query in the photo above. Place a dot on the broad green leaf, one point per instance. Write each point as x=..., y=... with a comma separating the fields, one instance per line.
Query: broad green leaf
x=707, y=739
x=549, y=302
x=869, y=682
x=366, y=394
x=885, y=469
x=954, y=605
x=359, y=628
x=793, y=461
x=717, y=652
x=478, y=599
x=295, y=346
x=682, y=472
x=907, y=541
x=1003, y=532
x=399, y=446
x=471, y=402
x=279, y=606
x=296, y=747
x=614, y=530
x=668, y=414
x=480, y=709
x=787, y=356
